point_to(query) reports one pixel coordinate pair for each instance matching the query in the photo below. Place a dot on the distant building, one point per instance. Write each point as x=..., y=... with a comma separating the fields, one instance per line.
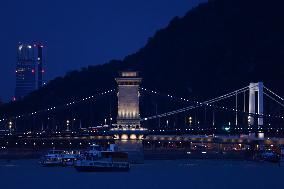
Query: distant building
x=40, y=70
x=29, y=69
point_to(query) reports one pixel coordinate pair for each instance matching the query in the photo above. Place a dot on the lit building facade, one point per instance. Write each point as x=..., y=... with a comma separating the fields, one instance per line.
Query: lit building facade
x=39, y=61
x=128, y=100
x=29, y=69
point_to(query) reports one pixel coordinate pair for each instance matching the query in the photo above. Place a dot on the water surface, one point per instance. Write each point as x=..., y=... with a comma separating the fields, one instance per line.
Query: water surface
x=153, y=174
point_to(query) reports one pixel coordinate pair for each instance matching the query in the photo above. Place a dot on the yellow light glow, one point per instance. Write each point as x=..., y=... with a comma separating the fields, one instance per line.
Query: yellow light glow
x=124, y=137
x=133, y=137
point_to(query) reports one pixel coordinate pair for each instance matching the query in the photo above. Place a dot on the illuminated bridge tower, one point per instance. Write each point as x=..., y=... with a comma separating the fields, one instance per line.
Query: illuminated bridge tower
x=256, y=101
x=128, y=100
x=128, y=131
x=128, y=116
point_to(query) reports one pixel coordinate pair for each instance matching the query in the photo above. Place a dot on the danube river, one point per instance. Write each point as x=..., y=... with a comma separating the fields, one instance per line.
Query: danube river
x=219, y=174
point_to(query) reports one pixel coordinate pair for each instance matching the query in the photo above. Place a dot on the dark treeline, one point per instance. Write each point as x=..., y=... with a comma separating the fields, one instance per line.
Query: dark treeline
x=217, y=47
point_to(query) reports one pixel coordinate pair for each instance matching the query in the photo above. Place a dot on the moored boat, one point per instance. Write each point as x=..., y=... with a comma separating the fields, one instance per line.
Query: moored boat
x=69, y=159
x=98, y=160
x=270, y=156
x=59, y=158
x=101, y=166
x=52, y=158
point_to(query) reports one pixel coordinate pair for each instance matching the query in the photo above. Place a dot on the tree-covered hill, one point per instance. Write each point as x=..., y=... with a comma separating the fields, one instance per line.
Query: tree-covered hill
x=216, y=47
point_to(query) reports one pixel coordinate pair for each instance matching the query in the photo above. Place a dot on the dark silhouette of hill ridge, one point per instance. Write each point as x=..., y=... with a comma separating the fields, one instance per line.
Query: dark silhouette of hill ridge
x=216, y=47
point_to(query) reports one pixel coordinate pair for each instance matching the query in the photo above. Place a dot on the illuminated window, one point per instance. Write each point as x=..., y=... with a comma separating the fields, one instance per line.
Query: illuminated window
x=129, y=74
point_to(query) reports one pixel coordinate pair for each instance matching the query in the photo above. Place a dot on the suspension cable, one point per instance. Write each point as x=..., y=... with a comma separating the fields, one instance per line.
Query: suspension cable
x=274, y=93
x=62, y=105
x=198, y=105
x=227, y=95
x=273, y=99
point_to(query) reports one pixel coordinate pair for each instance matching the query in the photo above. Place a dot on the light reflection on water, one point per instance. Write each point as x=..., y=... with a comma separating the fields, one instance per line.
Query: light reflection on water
x=153, y=174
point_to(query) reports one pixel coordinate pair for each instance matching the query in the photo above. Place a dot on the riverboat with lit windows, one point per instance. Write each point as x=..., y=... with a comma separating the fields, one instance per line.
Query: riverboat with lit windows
x=98, y=160
x=59, y=158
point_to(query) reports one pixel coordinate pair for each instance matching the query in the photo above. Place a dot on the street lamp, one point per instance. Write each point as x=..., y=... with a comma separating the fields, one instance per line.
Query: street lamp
x=190, y=120
x=67, y=124
x=73, y=122
x=10, y=126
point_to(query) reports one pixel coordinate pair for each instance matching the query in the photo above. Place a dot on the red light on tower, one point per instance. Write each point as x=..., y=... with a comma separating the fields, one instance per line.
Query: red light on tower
x=33, y=71
x=42, y=71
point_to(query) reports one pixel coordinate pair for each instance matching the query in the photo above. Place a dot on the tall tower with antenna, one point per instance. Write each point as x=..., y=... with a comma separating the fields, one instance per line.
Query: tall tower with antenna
x=39, y=61
x=29, y=69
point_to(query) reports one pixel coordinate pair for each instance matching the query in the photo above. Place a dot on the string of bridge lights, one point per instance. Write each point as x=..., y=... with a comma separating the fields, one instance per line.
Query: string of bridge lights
x=52, y=108
x=215, y=128
x=274, y=93
x=273, y=99
x=198, y=104
x=209, y=102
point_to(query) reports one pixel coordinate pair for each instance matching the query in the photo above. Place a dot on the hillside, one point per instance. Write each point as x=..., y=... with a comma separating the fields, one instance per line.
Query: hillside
x=217, y=46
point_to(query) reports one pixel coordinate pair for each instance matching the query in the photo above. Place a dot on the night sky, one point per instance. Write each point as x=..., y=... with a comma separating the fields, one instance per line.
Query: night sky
x=80, y=33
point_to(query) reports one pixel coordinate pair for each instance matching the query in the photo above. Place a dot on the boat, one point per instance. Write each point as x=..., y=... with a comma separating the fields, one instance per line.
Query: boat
x=52, y=158
x=112, y=152
x=101, y=165
x=99, y=160
x=59, y=158
x=68, y=159
x=270, y=156
x=281, y=161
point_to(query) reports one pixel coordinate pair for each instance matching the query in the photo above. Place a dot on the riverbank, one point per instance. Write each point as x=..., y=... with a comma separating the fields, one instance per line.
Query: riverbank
x=157, y=154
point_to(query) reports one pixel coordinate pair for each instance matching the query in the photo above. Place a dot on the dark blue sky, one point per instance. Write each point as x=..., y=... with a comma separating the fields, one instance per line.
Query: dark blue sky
x=79, y=33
